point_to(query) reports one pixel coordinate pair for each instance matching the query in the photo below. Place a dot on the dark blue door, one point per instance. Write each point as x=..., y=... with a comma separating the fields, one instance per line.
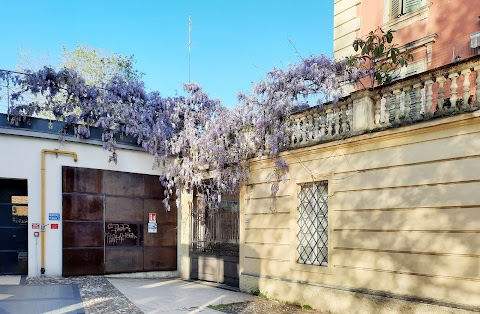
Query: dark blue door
x=13, y=227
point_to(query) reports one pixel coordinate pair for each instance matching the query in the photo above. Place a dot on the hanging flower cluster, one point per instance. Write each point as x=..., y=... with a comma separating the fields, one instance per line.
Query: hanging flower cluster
x=193, y=137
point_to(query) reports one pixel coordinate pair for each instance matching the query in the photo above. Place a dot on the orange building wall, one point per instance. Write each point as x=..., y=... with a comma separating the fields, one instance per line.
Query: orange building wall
x=452, y=20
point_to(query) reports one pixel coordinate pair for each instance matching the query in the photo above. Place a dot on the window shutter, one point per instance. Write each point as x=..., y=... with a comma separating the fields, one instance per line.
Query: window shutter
x=411, y=5
x=412, y=69
x=395, y=8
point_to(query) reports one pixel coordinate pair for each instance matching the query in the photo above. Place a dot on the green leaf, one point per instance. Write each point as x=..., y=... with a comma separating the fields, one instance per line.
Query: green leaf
x=389, y=37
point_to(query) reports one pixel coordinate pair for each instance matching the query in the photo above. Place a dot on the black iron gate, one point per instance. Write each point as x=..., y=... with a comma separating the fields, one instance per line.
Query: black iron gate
x=215, y=238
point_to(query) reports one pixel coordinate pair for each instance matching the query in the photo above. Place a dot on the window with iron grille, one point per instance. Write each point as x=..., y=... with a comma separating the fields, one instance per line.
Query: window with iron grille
x=313, y=224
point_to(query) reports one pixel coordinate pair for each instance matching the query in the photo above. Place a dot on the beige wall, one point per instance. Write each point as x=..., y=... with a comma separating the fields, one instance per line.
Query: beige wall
x=404, y=217
x=346, y=25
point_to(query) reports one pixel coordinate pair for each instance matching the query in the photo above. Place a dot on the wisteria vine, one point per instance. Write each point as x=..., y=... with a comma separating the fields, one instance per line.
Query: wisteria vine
x=194, y=137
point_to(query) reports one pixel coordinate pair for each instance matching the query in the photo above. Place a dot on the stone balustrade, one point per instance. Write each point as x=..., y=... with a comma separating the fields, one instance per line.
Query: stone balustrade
x=448, y=90
x=321, y=123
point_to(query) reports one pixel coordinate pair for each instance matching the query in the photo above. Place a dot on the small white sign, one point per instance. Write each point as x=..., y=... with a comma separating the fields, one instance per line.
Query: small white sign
x=152, y=227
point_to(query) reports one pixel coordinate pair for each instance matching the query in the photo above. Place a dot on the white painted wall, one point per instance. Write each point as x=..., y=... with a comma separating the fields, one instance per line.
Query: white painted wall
x=20, y=158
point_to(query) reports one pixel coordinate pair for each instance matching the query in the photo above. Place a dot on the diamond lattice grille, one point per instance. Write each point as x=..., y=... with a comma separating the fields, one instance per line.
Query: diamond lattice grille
x=313, y=224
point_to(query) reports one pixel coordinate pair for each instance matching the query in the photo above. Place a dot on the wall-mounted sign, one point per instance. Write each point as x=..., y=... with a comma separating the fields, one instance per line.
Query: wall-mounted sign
x=152, y=227
x=152, y=217
x=54, y=226
x=35, y=226
x=53, y=216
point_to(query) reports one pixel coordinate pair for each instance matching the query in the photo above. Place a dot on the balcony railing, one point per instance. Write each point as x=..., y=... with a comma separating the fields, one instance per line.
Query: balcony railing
x=448, y=90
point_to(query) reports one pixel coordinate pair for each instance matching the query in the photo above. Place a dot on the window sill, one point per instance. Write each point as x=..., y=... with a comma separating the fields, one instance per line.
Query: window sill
x=407, y=19
x=318, y=269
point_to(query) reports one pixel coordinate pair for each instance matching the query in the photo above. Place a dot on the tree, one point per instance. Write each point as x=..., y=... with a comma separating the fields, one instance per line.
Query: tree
x=379, y=60
x=99, y=66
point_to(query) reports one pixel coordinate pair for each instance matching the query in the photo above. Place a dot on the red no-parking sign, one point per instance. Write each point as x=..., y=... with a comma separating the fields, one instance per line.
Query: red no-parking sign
x=152, y=217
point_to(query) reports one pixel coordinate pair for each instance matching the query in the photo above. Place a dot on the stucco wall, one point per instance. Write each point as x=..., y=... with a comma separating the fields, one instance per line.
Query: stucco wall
x=21, y=158
x=404, y=217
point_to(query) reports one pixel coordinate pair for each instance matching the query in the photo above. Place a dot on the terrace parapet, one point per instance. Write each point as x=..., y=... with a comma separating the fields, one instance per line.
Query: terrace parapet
x=449, y=90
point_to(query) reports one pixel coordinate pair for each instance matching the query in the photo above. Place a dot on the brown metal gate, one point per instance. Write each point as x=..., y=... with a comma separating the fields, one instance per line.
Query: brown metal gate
x=105, y=219
x=214, y=252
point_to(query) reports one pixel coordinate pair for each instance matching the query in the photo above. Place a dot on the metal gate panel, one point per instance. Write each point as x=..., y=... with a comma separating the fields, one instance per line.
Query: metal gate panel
x=110, y=209
x=123, y=209
x=164, y=242
x=82, y=215
x=123, y=222
x=159, y=258
x=83, y=180
x=214, y=253
x=83, y=234
x=124, y=184
x=82, y=207
x=121, y=260
x=87, y=261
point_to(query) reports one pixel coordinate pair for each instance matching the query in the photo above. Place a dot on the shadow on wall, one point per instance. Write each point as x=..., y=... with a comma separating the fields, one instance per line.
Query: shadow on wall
x=404, y=223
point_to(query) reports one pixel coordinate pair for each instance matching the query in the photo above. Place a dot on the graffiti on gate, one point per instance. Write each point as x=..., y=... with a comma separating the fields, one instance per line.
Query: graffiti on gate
x=121, y=234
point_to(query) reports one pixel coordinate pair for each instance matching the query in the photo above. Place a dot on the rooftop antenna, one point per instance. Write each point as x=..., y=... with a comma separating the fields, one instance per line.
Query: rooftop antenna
x=189, y=43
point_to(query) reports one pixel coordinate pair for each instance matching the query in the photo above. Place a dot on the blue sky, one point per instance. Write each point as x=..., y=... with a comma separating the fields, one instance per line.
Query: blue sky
x=234, y=43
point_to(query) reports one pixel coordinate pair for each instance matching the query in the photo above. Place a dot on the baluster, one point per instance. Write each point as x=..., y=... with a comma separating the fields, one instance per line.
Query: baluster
x=315, y=125
x=329, y=120
x=407, y=102
x=429, y=96
x=477, y=83
x=304, y=131
x=466, y=88
x=350, y=115
x=388, y=95
x=378, y=104
x=453, y=91
x=441, y=94
x=309, y=130
x=293, y=126
x=418, y=100
x=298, y=130
x=397, y=93
x=343, y=109
x=337, y=120
x=322, y=124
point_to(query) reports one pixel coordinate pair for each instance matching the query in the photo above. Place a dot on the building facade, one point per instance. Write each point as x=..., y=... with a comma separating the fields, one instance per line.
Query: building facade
x=96, y=214
x=370, y=219
x=438, y=32
x=379, y=213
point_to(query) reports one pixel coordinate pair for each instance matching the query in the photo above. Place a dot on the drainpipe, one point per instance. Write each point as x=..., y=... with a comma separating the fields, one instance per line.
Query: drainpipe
x=42, y=239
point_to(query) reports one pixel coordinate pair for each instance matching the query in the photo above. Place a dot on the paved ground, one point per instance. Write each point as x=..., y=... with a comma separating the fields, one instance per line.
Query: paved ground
x=98, y=294
x=40, y=299
x=175, y=296
x=110, y=295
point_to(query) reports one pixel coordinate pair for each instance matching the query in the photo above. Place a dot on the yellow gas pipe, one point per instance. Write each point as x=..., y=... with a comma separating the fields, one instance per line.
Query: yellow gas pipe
x=42, y=239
